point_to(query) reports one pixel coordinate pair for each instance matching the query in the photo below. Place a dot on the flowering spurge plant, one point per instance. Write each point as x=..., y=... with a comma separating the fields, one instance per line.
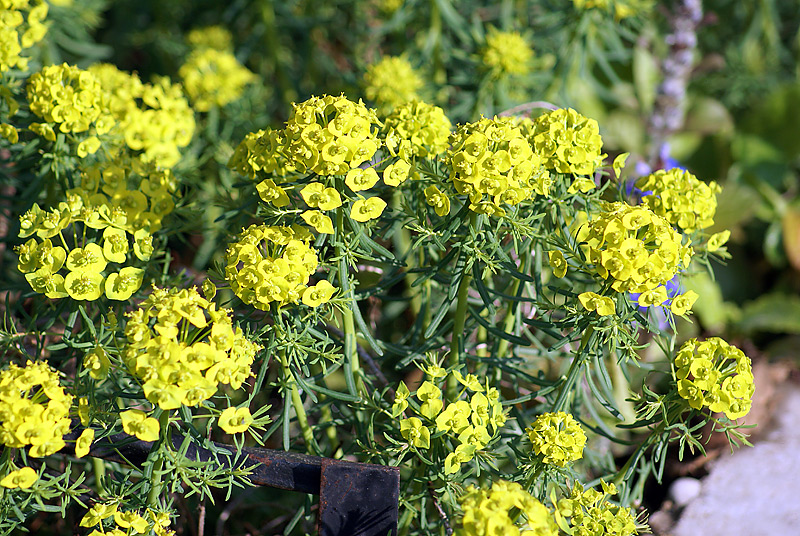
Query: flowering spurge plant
x=495, y=256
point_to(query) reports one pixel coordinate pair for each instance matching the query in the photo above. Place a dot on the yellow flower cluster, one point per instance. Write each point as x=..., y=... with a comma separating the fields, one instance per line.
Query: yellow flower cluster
x=623, y=9
x=470, y=422
x=70, y=97
x=274, y=264
x=716, y=375
x=489, y=512
x=89, y=269
x=216, y=37
x=21, y=26
x=181, y=347
x=22, y=478
x=639, y=250
x=260, y=152
x=330, y=135
x=390, y=82
x=161, y=125
x=417, y=129
x=567, y=142
x=557, y=437
x=128, y=522
x=681, y=198
x=492, y=162
x=213, y=78
x=34, y=409
x=121, y=88
x=591, y=514
x=506, y=53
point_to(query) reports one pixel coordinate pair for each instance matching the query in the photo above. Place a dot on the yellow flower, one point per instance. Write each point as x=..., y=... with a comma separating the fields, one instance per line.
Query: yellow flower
x=122, y=285
x=84, y=443
x=367, y=209
x=319, y=221
x=9, y=133
x=567, y=142
x=97, y=363
x=400, y=400
x=619, y=163
x=137, y=423
x=415, y=129
x=88, y=146
x=683, y=303
x=438, y=200
x=235, y=421
x=603, y=305
x=131, y=520
x=681, y=198
x=97, y=513
x=717, y=240
x=316, y=195
x=558, y=263
x=415, y=433
x=84, y=285
x=318, y=294
x=89, y=258
x=506, y=53
x=213, y=77
x=557, y=437
x=21, y=478
x=361, y=179
x=390, y=82
x=272, y=193
x=115, y=244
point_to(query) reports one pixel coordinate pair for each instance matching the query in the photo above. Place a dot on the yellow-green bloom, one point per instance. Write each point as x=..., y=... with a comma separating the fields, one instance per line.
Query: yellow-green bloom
x=367, y=209
x=316, y=195
x=272, y=193
x=714, y=374
x=97, y=363
x=415, y=432
x=683, y=303
x=122, y=285
x=438, y=200
x=235, y=420
x=84, y=443
x=97, y=513
x=506, y=53
x=390, y=82
x=318, y=294
x=416, y=129
x=717, y=240
x=319, y=221
x=557, y=437
x=495, y=511
x=603, y=305
x=681, y=198
x=21, y=478
x=566, y=141
x=213, y=78
x=137, y=423
x=558, y=263
x=493, y=164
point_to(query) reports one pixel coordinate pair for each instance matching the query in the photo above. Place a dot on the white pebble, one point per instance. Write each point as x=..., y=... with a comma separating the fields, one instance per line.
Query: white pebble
x=684, y=490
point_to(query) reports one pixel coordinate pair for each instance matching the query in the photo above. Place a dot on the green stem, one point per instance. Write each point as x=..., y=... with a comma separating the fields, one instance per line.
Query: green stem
x=458, y=329
x=352, y=366
x=511, y=312
x=299, y=409
x=156, y=482
x=587, y=341
x=99, y=468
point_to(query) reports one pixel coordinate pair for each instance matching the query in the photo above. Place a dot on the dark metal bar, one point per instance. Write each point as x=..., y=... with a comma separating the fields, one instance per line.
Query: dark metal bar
x=356, y=499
